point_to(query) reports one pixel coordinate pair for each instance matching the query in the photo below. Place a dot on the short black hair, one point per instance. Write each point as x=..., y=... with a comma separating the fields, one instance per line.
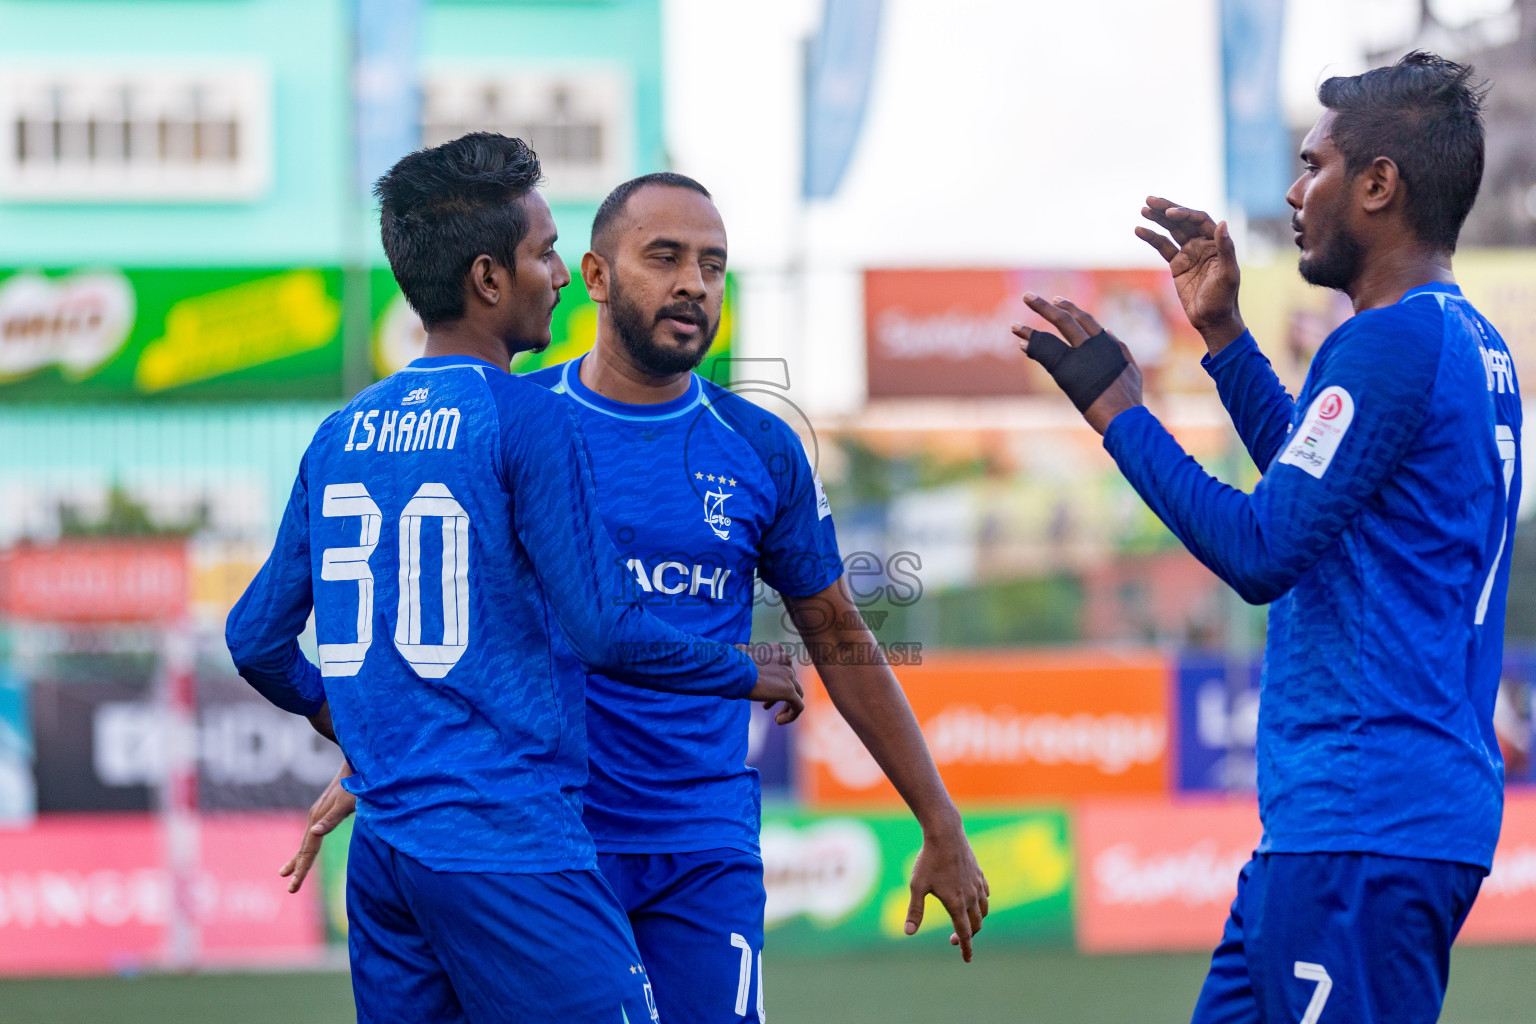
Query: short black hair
x=1425, y=114
x=441, y=208
x=614, y=204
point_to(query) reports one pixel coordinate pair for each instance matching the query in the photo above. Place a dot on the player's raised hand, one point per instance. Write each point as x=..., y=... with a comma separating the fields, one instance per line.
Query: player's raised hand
x=330, y=810
x=1092, y=366
x=946, y=867
x=1203, y=261
x=777, y=681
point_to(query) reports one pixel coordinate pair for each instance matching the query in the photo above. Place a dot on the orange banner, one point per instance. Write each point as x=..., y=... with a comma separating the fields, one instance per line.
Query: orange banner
x=1008, y=727
x=1155, y=874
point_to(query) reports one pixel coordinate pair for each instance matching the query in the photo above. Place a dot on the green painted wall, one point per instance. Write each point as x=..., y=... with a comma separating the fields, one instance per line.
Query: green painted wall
x=303, y=218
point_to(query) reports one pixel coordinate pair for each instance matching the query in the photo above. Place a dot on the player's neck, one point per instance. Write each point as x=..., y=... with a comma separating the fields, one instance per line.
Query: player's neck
x=461, y=338
x=1388, y=276
x=612, y=372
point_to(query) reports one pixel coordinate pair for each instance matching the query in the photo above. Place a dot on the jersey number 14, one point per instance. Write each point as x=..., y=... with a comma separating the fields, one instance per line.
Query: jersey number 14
x=431, y=501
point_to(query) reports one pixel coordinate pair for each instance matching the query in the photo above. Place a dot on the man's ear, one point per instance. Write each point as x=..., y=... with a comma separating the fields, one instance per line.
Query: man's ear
x=594, y=274
x=1380, y=185
x=487, y=280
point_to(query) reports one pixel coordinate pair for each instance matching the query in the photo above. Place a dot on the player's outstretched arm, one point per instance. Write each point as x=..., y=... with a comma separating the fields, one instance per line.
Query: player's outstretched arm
x=1362, y=416
x=1203, y=262
x=263, y=628
x=867, y=695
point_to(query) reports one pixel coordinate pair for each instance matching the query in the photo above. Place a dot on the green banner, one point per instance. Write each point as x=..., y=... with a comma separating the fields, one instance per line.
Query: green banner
x=398, y=336
x=840, y=881
x=223, y=334
x=84, y=335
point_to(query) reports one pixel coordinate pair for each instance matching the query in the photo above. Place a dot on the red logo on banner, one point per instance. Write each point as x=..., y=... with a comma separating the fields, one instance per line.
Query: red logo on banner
x=96, y=581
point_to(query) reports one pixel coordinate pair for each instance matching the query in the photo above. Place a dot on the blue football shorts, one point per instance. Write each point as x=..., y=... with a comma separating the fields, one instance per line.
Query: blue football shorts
x=1338, y=938
x=454, y=947
x=698, y=922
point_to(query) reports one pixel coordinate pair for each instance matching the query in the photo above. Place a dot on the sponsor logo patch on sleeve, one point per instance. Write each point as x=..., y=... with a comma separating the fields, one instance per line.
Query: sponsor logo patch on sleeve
x=823, y=506
x=1315, y=442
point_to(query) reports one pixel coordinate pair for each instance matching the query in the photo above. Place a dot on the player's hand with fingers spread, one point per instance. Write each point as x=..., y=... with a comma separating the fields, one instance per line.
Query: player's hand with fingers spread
x=777, y=681
x=330, y=810
x=946, y=867
x=1092, y=366
x=1203, y=262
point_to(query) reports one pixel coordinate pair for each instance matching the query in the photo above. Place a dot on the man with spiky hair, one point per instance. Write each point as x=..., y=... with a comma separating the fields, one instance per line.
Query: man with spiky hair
x=444, y=530
x=1380, y=535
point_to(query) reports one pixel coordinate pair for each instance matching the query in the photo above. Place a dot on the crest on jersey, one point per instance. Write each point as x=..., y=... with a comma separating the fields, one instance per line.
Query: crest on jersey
x=416, y=397
x=714, y=513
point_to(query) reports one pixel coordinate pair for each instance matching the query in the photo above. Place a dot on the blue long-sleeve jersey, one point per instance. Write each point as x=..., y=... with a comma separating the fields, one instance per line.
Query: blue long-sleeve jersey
x=443, y=527
x=1381, y=531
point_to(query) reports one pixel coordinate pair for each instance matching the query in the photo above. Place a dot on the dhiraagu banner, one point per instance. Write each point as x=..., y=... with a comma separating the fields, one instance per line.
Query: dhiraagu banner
x=90, y=334
x=840, y=881
x=398, y=336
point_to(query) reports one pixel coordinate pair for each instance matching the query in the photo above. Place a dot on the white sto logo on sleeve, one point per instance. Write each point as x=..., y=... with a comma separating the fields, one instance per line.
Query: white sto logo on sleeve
x=1315, y=442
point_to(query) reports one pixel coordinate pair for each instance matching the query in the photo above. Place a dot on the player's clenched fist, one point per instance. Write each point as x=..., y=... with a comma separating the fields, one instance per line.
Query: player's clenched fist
x=777, y=681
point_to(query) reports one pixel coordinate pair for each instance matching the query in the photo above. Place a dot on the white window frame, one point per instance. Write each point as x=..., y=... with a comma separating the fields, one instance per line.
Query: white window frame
x=86, y=111
x=601, y=91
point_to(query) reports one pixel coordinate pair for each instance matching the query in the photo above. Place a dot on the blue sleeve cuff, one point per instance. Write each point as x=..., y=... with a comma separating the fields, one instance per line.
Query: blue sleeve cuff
x=1242, y=347
x=1125, y=423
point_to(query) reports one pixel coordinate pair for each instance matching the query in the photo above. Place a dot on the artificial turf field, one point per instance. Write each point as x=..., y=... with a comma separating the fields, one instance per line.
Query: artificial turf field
x=1488, y=986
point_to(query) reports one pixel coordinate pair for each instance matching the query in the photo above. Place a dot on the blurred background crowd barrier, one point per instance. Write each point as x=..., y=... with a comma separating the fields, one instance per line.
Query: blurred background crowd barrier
x=190, y=281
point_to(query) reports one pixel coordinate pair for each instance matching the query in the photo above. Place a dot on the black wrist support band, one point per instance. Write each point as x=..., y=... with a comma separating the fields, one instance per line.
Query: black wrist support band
x=1084, y=372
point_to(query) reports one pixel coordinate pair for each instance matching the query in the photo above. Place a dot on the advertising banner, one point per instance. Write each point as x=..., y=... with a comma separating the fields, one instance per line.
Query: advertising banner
x=18, y=791
x=232, y=333
x=84, y=335
x=1218, y=722
x=81, y=581
x=1159, y=875
x=398, y=336
x=841, y=881
x=946, y=333
x=105, y=746
x=1010, y=727
x=1505, y=910
x=91, y=893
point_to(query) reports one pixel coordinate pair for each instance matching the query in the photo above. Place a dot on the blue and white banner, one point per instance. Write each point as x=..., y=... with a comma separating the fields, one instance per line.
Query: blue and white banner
x=1259, y=157
x=838, y=79
x=385, y=87
x=1218, y=707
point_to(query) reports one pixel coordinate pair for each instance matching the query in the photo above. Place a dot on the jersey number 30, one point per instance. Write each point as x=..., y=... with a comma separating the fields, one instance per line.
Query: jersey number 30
x=431, y=501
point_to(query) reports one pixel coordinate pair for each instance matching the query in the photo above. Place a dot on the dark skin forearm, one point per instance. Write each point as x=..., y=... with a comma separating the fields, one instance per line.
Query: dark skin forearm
x=321, y=721
x=865, y=692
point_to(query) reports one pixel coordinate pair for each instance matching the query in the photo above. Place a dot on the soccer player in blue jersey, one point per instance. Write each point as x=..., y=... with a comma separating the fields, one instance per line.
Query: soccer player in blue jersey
x=444, y=529
x=701, y=489
x=1379, y=534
